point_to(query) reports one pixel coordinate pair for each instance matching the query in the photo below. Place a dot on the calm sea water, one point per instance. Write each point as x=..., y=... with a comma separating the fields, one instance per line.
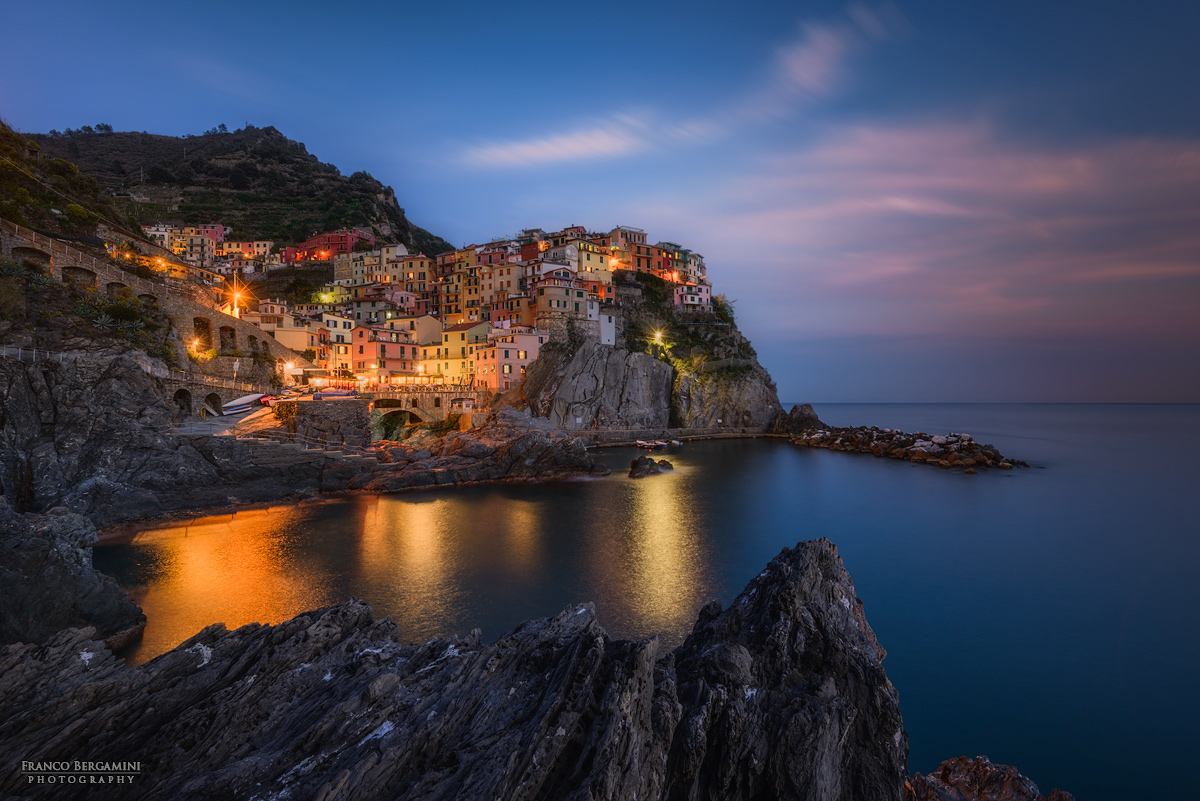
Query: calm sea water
x=1049, y=618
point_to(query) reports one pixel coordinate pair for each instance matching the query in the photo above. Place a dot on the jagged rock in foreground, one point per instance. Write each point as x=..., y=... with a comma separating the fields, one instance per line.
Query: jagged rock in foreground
x=509, y=445
x=48, y=582
x=963, y=779
x=783, y=695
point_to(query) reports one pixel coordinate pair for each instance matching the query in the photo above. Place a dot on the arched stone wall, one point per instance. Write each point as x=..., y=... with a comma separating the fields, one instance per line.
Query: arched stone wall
x=80, y=275
x=202, y=333
x=32, y=257
x=228, y=339
x=183, y=401
x=213, y=401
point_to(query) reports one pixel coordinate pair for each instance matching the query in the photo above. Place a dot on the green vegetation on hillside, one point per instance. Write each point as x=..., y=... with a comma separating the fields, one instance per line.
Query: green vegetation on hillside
x=50, y=194
x=256, y=180
x=53, y=311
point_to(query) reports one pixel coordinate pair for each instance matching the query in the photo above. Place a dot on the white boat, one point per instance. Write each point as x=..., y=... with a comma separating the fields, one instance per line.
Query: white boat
x=245, y=400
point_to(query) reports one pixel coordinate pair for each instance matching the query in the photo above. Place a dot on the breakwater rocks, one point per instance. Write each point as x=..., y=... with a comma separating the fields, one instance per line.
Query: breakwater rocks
x=979, y=779
x=950, y=451
x=48, y=582
x=782, y=695
x=509, y=445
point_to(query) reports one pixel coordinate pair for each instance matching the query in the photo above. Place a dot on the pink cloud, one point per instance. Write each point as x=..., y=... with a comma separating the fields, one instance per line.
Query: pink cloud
x=946, y=229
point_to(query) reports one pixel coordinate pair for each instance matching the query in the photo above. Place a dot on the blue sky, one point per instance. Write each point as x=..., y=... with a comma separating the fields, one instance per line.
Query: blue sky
x=937, y=201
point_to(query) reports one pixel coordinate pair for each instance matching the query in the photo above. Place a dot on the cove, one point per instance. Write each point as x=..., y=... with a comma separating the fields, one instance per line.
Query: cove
x=1045, y=617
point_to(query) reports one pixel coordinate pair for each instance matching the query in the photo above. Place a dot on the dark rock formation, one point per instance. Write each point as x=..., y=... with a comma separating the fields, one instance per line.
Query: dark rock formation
x=783, y=695
x=509, y=445
x=646, y=466
x=92, y=435
x=802, y=417
x=599, y=385
x=963, y=779
x=952, y=450
x=49, y=583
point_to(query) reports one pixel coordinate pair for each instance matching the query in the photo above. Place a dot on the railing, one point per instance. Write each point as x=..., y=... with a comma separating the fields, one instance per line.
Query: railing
x=197, y=290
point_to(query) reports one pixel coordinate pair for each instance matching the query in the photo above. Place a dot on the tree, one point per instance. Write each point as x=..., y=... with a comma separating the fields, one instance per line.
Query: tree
x=222, y=129
x=103, y=127
x=87, y=129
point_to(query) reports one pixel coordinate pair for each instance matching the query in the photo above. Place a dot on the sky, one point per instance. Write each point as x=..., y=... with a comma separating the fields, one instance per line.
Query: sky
x=944, y=201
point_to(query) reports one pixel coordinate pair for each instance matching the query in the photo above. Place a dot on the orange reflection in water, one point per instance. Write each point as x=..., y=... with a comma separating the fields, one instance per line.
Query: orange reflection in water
x=232, y=569
x=654, y=569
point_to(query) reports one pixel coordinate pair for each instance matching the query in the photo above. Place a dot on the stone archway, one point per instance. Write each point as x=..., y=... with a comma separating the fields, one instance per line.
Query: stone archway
x=114, y=288
x=32, y=257
x=183, y=401
x=148, y=299
x=228, y=339
x=253, y=342
x=79, y=275
x=202, y=334
x=212, y=404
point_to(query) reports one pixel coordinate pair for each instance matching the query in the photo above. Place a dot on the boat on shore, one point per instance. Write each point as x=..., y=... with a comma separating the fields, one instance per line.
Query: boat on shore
x=651, y=444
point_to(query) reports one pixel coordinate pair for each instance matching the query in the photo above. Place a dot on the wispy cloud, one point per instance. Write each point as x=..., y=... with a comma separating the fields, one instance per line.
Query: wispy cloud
x=939, y=228
x=615, y=139
x=809, y=68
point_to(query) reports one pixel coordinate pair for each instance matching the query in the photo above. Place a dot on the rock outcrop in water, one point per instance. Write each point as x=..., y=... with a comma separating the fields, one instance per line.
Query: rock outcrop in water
x=963, y=779
x=783, y=695
x=47, y=581
x=951, y=450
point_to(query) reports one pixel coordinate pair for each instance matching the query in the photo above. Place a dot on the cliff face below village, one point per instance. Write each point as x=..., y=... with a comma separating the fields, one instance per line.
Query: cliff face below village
x=783, y=695
x=592, y=386
x=668, y=369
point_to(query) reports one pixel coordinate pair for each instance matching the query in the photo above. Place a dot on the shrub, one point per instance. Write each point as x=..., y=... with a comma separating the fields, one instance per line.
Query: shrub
x=78, y=212
x=12, y=296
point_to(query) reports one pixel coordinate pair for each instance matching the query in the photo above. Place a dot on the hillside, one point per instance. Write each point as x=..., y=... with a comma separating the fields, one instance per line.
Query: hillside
x=256, y=180
x=50, y=194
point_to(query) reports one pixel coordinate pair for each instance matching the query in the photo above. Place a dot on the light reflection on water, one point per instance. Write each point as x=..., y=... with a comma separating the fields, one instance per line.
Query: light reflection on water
x=435, y=562
x=1049, y=618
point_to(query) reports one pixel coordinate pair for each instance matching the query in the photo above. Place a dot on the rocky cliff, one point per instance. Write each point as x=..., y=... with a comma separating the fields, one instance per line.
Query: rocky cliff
x=593, y=386
x=599, y=385
x=49, y=583
x=92, y=435
x=783, y=695
x=668, y=369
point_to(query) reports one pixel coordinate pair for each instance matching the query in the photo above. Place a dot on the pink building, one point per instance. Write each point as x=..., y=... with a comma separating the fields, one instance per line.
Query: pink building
x=501, y=364
x=383, y=355
x=214, y=231
x=693, y=297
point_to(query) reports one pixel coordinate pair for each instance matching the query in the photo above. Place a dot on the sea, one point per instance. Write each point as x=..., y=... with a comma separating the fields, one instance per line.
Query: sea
x=1047, y=617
